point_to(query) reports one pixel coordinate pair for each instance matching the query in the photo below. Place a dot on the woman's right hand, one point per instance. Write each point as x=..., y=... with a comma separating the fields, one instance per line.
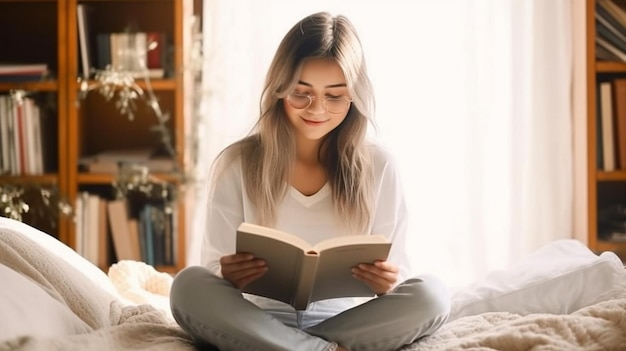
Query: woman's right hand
x=242, y=268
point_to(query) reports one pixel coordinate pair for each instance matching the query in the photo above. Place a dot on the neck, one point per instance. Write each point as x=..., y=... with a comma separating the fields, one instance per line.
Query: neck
x=307, y=151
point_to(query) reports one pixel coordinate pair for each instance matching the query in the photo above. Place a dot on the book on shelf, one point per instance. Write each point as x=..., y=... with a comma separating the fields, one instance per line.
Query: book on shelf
x=23, y=72
x=110, y=162
x=300, y=273
x=613, y=11
x=21, y=138
x=23, y=68
x=104, y=237
x=143, y=54
x=135, y=238
x=611, y=48
x=611, y=32
x=611, y=35
x=608, y=19
x=91, y=212
x=599, y=141
x=157, y=52
x=157, y=234
x=103, y=50
x=92, y=233
x=619, y=105
x=608, y=131
x=603, y=54
x=6, y=137
x=146, y=232
x=129, y=51
x=84, y=43
x=141, y=231
x=119, y=220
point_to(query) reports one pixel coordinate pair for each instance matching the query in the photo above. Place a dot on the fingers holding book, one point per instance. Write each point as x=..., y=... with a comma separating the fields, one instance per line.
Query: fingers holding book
x=242, y=268
x=380, y=276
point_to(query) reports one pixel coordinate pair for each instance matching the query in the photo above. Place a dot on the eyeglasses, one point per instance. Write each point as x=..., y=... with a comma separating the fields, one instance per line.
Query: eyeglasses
x=332, y=104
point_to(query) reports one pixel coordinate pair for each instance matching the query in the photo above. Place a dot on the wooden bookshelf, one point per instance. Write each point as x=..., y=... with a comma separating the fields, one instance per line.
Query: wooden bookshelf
x=47, y=31
x=603, y=188
x=36, y=32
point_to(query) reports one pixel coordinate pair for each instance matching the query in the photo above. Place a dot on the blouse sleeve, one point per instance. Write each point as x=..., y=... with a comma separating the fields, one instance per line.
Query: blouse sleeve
x=390, y=214
x=224, y=215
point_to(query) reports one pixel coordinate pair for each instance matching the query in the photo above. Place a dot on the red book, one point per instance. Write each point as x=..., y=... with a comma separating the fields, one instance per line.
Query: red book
x=156, y=49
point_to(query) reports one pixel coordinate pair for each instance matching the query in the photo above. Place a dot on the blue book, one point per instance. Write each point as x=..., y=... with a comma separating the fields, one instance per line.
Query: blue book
x=148, y=233
x=103, y=57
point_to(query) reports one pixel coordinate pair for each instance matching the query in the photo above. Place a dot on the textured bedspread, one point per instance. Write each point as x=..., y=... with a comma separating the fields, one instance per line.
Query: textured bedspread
x=135, y=328
x=598, y=327
x=115, y=326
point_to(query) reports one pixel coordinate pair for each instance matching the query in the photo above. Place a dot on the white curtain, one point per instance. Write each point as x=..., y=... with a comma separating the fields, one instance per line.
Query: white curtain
x=473, y=98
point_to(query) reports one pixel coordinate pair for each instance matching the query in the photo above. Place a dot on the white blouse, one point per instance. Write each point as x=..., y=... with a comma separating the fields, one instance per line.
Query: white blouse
x=310, y=217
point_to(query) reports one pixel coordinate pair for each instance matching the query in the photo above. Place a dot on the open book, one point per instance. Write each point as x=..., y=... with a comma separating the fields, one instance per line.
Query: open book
x=300, y=273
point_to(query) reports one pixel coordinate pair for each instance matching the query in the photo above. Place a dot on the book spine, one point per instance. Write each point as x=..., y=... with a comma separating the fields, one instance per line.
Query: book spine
x=155, y=43
x=104, y=50
x=4, y=134
x=607, y=126
x=304, y=289
x=20, y=133
x=619, y=100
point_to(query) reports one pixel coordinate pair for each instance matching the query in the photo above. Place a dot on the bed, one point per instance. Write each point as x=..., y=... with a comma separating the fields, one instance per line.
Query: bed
x=563, y=297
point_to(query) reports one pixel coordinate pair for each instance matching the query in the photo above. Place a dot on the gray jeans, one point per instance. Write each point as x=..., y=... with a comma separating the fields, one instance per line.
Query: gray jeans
x=214, y=312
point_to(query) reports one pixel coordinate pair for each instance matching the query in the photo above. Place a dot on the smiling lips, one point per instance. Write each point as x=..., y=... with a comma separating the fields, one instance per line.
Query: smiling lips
x=313, y=123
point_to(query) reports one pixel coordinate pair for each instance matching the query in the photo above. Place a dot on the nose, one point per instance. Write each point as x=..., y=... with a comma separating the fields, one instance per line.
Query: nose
x=316, y=107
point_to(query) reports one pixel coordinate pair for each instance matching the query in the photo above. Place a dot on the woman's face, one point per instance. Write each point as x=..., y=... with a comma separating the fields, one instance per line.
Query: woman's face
x=323, y=83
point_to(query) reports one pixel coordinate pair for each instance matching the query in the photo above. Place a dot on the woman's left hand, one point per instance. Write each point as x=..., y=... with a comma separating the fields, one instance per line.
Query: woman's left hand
x=380, y=276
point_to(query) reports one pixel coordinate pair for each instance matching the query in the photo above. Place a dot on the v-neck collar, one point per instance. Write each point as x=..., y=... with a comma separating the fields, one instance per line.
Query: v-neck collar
x=310, y=200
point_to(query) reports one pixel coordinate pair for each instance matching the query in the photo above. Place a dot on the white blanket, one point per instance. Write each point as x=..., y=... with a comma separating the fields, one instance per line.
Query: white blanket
x=112, y=325
x=598, y=327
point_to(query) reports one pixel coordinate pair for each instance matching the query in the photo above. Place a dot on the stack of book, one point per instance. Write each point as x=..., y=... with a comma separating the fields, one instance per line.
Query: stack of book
x=610, y=20
x=113, y=230
x=110, y=162
x=610, y=31
x=23, y=72
x=141, y=53
x=22, y=138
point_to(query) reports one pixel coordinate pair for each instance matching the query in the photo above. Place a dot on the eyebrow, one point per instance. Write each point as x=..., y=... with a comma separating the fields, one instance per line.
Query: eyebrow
x=328, y=86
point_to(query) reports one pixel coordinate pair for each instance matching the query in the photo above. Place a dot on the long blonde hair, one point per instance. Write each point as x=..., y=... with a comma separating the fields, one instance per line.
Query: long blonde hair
x=268, y=152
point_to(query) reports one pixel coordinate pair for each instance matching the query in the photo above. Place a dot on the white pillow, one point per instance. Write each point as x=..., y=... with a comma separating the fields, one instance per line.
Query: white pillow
x=57, y=248
x=559, y=278
x=27, y=309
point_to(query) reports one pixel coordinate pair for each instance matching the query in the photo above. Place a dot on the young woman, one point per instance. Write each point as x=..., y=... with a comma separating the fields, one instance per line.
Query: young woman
x=307, y=169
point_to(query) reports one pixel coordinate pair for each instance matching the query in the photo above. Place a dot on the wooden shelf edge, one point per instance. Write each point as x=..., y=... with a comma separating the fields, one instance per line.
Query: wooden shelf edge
x=156, y=84
x=9, y=1
x=610, y=67
x=101, y=178
x=47, y=86
x=25, y=179
x=113, y=1
x=614, y=176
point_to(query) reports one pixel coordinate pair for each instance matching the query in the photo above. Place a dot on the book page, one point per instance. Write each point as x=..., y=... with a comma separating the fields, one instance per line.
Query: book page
x=283, y=261
x=334, y=270
x=348, y=240
x=275, y=234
